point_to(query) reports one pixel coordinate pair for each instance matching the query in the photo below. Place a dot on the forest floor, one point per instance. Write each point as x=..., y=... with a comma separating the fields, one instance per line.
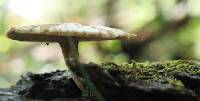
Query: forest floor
x=176, y=80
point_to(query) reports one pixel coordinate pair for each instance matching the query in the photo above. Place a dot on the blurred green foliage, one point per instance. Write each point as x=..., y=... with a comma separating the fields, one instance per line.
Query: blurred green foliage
x=6, y=44
x=112, y=46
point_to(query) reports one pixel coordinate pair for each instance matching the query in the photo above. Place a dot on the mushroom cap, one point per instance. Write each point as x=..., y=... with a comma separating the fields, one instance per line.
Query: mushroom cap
x=54, y=32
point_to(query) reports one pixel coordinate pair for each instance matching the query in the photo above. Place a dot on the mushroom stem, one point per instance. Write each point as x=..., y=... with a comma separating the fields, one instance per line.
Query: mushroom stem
x=69, y=48
x=70, y=52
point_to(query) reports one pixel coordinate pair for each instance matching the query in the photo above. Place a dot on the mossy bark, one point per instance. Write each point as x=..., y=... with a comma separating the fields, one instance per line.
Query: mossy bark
x=177, y=80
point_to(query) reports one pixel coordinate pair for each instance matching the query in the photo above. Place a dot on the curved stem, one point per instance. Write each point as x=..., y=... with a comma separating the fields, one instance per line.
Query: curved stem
x=69, y=48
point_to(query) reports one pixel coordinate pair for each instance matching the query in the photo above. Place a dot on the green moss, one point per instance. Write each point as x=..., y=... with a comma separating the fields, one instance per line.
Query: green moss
x=163, y=72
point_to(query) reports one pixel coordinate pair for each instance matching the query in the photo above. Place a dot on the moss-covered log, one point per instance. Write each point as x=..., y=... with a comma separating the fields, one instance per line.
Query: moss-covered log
x=177, y=80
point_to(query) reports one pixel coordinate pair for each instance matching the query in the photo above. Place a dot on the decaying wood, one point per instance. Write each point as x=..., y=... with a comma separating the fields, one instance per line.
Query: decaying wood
x=159, y=81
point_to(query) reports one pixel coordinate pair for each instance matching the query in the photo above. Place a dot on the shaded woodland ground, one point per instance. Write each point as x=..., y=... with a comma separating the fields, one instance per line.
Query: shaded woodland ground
x=176, y=80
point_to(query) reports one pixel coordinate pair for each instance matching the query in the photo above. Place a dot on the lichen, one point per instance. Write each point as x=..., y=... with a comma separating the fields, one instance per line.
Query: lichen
x=164, y=72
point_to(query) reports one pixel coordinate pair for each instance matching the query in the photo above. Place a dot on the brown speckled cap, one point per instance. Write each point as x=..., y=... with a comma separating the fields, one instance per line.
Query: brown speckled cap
x=53, y=32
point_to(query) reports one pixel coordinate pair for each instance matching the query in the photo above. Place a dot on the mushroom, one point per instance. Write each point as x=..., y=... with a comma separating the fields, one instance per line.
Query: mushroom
x=68, y=36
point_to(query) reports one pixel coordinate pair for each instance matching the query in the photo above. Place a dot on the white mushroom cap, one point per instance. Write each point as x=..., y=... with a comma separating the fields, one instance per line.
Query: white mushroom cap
x=52, y=32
